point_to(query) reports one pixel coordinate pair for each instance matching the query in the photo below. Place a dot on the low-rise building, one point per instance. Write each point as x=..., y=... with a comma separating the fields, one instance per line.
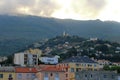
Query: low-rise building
x=102, y=63
x=25, y=73
x=51, y=73
x=96, y=75
x=3, y=58
x=25, y=59
x=7, y=73
x=49, y=60
x=76, y=64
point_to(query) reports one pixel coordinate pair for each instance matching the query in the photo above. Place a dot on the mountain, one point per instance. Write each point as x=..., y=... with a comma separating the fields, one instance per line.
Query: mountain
x=17, y=32
x=33, y=27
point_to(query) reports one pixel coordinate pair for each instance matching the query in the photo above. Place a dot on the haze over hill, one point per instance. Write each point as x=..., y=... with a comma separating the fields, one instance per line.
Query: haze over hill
x=32, y=27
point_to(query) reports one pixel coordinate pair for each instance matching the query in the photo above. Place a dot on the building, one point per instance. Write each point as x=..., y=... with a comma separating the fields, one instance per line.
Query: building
x=103, y=62
x=7, y=73
x=49, y=60
x=25, y=73
x=25, y=59
x=50, y=73
x=96, y=75
x=93, y=39
x=3, y=58
x=76, y=64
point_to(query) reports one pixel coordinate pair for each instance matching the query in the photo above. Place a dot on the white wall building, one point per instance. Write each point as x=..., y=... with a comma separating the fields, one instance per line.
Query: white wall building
x=24, y=59
x=3, y=58
x=49, y=60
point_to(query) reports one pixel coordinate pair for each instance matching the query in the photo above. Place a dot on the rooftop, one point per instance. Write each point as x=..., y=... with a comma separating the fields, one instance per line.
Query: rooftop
x=25, y=70
x=52, y=69
x=79, y=59
x=7, y=69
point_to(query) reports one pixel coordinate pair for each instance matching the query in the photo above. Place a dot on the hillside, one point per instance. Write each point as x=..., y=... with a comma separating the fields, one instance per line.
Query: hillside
x=68, y=46
x=17, y=32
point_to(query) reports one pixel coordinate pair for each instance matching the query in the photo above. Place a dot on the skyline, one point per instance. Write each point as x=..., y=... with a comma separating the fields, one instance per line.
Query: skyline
x=64, y=9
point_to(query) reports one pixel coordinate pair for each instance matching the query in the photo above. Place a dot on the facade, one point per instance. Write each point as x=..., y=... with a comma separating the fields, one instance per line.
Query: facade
x=76, y=64
x=25, y=59
x=96, y=75
x=51, y=73
x=49, y=60
x=7, y=73
x=25, y=73
x=102, y=63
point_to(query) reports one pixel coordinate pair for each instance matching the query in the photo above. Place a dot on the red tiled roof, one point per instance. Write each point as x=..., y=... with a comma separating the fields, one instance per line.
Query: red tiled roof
x=51, y=69
x=25, y=70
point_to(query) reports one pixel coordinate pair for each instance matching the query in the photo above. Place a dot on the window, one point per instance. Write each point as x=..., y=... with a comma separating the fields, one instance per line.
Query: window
x=67, y=64
x=84, y=65
x=105, y=76
x=66, y=69
x=77, y=76
x=57, y=76
x=51, y=74
x=10, y=75
x=91, y=76
x=66, y=75
x=113, y=76
x=46, y=76
x=72, y=69
x=19, y=76
x=77, y=65
x=1, y=75
x=85, y=75
x=33, y=76
x=95, y=65
x=27, y=76
x=77, y=69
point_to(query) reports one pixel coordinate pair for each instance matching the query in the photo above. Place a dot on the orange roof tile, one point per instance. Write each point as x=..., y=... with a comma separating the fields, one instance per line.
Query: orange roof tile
x=25, y=70
x=52, y=69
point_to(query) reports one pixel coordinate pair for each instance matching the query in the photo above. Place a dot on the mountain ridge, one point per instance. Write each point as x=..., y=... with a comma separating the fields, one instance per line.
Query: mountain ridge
x=20, y=29
x=33, y=26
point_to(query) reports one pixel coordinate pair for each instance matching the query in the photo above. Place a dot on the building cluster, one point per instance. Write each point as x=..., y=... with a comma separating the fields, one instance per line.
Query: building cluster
x=3, y=58
x=74, y=68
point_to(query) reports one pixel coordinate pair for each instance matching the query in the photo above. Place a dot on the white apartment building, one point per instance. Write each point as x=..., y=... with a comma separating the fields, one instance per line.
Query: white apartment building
x=49, y=60
x=25, y=59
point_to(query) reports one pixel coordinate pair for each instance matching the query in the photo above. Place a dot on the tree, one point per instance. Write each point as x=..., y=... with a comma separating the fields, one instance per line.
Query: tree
x=106, y=67
x=72, y=52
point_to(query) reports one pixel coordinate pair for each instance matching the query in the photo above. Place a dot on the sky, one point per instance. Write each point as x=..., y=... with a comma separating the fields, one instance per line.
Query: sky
x=64, y=9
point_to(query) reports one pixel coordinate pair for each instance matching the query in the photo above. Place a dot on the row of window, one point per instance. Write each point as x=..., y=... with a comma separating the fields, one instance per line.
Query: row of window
x=56, y=76
x=51, y=74
x=88, y=65
x=84, y=65
x=79, y=69
x=1, y=76
x=27, y=76
x=92, y=76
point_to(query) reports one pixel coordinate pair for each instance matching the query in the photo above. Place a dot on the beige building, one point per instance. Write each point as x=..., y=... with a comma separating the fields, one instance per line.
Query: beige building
x=50, y=73
x=76, y=64
x=7, y=73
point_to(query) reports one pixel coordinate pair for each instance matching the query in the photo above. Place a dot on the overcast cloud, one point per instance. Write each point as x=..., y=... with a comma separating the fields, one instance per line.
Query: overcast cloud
x=79, y=9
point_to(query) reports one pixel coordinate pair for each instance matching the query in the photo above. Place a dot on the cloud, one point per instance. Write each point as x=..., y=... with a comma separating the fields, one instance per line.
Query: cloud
x=34, y=7
x=88, y=8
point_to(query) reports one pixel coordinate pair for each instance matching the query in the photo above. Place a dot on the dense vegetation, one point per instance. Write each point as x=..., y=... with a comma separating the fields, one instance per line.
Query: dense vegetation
x=112, y=68
x=67, y=46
